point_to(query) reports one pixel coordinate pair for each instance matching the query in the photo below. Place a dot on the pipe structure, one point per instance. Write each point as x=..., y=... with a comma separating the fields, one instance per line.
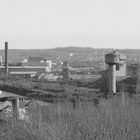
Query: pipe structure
x=6, y=58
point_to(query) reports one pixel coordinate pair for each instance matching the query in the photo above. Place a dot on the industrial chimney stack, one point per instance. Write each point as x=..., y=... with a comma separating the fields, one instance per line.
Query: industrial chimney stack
x=6, y=58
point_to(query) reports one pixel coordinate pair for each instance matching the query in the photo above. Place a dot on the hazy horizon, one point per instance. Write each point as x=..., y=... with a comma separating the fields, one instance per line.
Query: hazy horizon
x=44, y=24
x=2, y=48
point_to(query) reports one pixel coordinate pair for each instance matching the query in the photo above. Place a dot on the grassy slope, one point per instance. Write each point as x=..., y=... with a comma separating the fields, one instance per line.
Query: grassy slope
x=116, y=118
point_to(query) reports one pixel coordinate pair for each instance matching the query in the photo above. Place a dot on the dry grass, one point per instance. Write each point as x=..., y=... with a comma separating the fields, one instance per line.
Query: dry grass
x=112, y=119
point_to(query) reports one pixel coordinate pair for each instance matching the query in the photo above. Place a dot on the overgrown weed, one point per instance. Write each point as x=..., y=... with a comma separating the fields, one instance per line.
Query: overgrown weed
x=112, y=119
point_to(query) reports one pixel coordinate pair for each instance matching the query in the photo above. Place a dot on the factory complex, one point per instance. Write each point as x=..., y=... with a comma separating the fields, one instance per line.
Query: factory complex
x=40, y=67
x=28, y=67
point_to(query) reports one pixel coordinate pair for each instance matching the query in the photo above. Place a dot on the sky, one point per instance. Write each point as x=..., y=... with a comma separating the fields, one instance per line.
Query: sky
x=42, y=24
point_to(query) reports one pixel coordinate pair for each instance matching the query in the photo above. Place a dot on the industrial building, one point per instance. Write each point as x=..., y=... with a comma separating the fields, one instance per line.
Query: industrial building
x=65, y=70
x=116, y=67
x=38, y=62
x=30, y=66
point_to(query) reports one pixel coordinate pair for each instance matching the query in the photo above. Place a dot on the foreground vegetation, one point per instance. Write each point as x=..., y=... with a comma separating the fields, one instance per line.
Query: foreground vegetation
x=116, y=118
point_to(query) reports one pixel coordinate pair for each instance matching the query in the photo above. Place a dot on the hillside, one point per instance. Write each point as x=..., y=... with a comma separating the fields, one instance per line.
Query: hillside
x=76, y=56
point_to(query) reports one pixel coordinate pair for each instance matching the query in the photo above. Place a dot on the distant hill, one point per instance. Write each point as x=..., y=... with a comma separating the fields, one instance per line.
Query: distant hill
x=18, y=54
x=74, y=49
x=80, y=56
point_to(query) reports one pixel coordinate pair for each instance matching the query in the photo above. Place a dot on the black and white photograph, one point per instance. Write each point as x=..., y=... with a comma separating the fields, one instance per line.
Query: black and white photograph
x=69, y=70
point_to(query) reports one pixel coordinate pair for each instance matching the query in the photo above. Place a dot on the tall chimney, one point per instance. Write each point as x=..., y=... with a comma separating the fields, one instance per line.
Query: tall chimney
x=6, y=58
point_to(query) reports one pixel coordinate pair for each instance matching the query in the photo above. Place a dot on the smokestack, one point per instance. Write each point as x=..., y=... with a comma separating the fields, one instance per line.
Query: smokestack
x=6, y=58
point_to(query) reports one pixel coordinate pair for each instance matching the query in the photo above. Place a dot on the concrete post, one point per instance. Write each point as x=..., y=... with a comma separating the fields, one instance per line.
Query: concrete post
x=15, y=105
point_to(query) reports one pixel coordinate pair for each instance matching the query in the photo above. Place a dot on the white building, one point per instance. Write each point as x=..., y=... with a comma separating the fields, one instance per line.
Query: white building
x=38, y=62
